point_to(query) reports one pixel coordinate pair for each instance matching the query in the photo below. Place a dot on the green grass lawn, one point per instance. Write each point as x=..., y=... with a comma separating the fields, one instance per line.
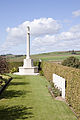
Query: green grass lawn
x=27, y=98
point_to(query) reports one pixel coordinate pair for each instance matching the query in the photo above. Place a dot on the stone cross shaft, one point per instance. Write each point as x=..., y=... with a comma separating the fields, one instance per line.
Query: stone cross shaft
x=28, y=43
x=28, y=68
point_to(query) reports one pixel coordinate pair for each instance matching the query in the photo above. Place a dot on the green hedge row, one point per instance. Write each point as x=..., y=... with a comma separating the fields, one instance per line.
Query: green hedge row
x=72, y=77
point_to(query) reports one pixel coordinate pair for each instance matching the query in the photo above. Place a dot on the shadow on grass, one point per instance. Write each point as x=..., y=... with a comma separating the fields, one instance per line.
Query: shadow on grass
x=19, y=83
x=13, y=93
x=17, y=77
x=15, y=112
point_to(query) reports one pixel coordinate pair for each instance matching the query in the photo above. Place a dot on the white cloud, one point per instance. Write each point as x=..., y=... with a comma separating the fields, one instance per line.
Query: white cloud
x=39, y=27
x=63, y=41
x=76, y=13
x=44, y=26
x=75, y=29
x=47, y=40
x=45, y=37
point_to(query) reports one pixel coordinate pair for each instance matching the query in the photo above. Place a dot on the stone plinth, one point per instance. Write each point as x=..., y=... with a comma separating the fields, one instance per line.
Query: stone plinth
x=24, y=71
x=28, y=68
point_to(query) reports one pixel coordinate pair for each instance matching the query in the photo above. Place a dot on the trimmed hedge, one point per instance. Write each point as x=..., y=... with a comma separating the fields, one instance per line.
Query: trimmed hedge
x=72, y=77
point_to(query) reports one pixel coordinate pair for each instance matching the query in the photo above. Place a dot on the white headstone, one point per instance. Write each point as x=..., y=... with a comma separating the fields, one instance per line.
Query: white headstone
x=59, y=82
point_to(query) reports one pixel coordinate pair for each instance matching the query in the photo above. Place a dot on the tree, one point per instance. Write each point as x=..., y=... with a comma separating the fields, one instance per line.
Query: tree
x=73, y=52
x=3, y=65
x=71, y=62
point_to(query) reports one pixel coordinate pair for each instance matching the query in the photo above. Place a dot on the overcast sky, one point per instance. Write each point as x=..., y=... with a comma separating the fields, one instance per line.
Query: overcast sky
x=54, y=25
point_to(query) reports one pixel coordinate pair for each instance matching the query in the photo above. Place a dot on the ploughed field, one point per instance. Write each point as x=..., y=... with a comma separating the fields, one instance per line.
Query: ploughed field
x=27, y=98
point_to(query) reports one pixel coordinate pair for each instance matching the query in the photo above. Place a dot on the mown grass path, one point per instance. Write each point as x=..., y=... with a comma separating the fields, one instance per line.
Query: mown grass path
x=27, y=98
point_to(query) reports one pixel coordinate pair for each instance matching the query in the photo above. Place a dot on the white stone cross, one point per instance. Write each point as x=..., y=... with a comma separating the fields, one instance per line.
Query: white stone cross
x=28, y=43
x=28, y=68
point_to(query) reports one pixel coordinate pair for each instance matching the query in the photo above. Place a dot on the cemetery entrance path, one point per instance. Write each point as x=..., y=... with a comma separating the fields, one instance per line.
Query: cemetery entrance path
x=27, y=98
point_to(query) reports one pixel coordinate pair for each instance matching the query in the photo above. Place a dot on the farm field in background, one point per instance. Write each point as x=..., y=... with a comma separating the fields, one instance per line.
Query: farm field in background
x=52, y=56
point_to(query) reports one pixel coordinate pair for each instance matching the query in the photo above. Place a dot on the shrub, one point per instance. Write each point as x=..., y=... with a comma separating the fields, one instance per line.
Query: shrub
x=55, y=90
x=71, y=62
x=41, y=73
x=36, y=63
x=13, y=66
x=3, y=80
x=2, y=83
x=14, y=70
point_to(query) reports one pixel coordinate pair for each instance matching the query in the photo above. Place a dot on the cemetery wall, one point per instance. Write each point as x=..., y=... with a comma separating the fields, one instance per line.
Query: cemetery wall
x=72, y=77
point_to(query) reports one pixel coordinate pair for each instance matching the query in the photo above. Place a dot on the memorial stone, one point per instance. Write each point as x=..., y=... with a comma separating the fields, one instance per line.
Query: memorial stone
x=28, y=68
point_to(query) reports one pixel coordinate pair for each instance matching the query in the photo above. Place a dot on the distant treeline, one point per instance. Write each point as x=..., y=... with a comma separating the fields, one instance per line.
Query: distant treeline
x=13, y=55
